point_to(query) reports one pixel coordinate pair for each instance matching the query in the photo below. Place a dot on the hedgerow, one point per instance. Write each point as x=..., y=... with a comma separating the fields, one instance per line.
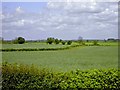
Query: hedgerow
x=25, y=77
x=34, y=49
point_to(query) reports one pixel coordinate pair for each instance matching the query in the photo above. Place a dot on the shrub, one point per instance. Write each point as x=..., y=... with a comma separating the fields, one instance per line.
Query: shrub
x=50, y=40
x=25, y=77
x=57, y=41
x=95, y=42
x=69, y=42
x=63, y=42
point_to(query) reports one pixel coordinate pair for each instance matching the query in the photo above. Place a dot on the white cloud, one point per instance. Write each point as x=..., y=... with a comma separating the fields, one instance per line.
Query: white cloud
x=19, y=10
x=64, y=20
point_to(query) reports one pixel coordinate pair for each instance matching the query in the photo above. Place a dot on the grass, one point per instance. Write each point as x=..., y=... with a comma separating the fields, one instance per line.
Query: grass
x=88, y=57
x=44, y=45
x=31, y=45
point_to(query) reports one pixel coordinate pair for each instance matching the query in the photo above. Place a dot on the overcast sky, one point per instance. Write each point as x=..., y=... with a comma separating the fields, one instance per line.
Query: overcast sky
x=63, y=20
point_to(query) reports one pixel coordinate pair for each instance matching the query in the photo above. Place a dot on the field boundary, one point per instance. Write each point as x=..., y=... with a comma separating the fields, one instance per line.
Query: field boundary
x=45, y=49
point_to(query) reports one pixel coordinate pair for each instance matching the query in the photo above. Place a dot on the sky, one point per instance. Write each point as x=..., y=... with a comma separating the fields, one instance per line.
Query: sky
x=63, y=20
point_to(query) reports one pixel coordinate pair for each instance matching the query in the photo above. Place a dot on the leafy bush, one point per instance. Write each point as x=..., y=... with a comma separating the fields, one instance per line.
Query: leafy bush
x=50, y=40
x=34, y=49
x=25, y=77
x=19, y=40
x=95, y=42
x=57, y=41
x=63, y=42
x=69, y=42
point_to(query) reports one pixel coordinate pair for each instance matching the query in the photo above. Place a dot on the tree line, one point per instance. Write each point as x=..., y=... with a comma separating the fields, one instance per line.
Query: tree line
x=51, y=40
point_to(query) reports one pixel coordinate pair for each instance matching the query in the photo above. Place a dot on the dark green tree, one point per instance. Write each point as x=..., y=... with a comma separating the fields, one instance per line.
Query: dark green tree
x=57, y=41
x=50, y=40
x=20, y=40
x=63, y=42
x=95, y=42
x=60, y=40
x=69, y=42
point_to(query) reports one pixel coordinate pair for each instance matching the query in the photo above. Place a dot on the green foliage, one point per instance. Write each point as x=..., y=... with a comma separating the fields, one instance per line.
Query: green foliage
x=57, y=41
x=15, y=41
x=19, y=40
x=63, y=42
x=50, y=40
x=69, y=42
x=81, y=42
x=29, y=77
x=34, y=49
x=95, y=42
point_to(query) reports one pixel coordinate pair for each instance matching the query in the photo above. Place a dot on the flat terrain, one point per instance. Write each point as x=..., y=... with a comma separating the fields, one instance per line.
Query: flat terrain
x=44, y=45
x=31, y=45
x=87, y=57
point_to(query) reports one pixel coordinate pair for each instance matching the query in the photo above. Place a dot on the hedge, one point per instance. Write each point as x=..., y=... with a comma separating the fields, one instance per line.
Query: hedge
x=34, y=49
x=38, y=49
x=46, y=49
x=23, y=77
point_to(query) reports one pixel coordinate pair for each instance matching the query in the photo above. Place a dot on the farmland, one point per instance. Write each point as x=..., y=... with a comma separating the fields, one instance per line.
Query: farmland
x=79, y=66
x=44, y=45
x=82, y=57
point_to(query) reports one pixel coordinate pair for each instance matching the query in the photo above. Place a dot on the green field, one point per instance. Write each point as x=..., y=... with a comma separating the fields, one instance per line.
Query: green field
x=31, y=45
x=44, y=45
x=87, y=57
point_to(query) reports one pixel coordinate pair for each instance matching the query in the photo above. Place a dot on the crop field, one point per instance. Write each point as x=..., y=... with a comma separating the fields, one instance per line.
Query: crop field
x=32, y=45
x=83, y=57
x=44, y=45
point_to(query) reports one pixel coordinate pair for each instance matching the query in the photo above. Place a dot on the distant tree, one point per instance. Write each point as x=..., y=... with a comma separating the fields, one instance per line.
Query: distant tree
x=95, y=42
x=57, y=41
x=80, y=40
x=105, y=40
x=60, y=40
x=15, y=41
x=87, y=40
x=50, y=40
x=21, y=40
x=69, y=42
x=63, y=42
x=111, y=39
x=2, y=39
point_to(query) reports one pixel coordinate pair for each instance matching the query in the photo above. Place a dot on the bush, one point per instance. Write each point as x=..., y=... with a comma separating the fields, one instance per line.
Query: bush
x=29, y=77
x=69, y=42
x=63, y=42
x=50, y=40
x=57, y=41
x=19, y=40
x=95, y=42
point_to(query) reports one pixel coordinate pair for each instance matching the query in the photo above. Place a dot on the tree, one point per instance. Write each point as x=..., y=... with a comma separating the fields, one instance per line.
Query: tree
x=57, y=41
x=80, y=40
x=15, y=41
x=63, y=42
x=60, y=40
x=95, y=42
x=50, y=40
x=69, y=42
x=21, y=40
